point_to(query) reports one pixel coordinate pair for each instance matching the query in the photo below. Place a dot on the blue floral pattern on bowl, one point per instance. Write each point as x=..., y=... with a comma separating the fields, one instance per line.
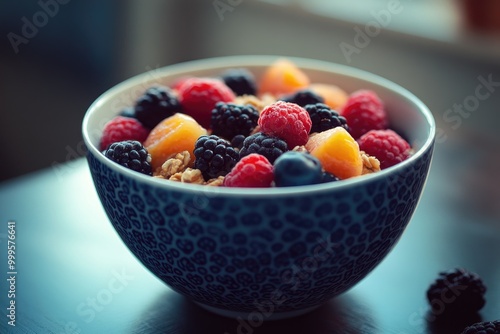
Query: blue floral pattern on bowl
x=237, y=253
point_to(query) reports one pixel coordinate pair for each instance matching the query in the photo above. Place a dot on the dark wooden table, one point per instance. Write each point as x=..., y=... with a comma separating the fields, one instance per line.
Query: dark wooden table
x=74, y=275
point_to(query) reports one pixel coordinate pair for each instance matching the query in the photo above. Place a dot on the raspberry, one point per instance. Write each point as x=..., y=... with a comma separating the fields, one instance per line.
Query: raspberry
x=297, y=169
x=323, y=118
x=179, y=82
x=364, y=111
x=240, y=80
x=252, y=171
x=214, y=156
x=229, y=120
x=130, y=154
x=260, y=143
x=198, y=97
x=303, y=97
x=122, y=128
x=385, y=145
x=156, y=104
x=486, y=327
x=466, y=288
x=286, y=120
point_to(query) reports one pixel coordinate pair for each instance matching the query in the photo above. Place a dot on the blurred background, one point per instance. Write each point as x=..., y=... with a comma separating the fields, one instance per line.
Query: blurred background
x=57, y=56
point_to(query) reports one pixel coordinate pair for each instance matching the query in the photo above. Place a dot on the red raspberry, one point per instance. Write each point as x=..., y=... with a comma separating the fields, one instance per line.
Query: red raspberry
x=385, y=145
x=364, y=111
x=252, y=171
x=198, y=97
x=122, y=128
x=287, y=121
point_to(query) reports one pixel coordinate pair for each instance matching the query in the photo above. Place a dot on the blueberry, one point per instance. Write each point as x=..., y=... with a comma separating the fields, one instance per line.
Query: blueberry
x=297, y=169
x=328, y=177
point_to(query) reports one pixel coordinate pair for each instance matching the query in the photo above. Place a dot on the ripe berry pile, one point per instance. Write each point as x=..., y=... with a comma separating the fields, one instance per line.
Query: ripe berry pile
x=237, y=130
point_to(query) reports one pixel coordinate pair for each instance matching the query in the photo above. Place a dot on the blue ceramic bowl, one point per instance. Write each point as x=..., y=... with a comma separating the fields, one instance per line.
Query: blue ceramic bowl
x=278, y=251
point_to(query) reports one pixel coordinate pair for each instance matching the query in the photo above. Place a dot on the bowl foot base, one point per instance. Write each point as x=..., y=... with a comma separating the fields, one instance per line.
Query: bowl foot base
x=256, y=316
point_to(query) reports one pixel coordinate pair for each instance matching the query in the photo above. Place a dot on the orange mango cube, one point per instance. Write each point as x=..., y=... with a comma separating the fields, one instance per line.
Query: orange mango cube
x=282, y=77
x=173, y=135
x=334, y=96
x=337, y=151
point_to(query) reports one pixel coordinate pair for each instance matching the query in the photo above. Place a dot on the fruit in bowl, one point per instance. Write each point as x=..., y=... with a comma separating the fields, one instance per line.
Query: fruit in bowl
x=294, y=241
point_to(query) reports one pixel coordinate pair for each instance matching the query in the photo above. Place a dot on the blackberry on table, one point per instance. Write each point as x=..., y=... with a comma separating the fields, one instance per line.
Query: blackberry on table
x=156, y=104
x=485, y=327
x=229, y=120
x=456, y=293
x=130, y=154
x=303, y=97
x=268, y=146
x=240, y=80
x=214, y=156
x=323, y=118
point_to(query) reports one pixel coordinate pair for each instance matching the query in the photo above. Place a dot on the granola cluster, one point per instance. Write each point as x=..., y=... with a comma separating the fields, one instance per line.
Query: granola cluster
x=258, y=103
x=370, y=164
x=177, y=169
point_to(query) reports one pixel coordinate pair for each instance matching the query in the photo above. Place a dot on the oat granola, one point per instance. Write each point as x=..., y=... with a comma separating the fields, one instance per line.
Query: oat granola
x=258, y=103
x=370, y=163
x=172, y=166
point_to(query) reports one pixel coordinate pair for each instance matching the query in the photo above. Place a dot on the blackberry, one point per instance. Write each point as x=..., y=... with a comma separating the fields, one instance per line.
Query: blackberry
x=156, y=104
x=268, y=146
x=323, y=118
x=303, y=97
x=486, y=327
x=130, y=154
x=229, y=120
x=237, y=141
x=456, y=293
x=214, y=156
x=240, y=80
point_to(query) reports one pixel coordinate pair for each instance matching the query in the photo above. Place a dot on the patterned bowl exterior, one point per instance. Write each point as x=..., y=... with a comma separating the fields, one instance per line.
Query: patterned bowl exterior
x=241, y=253
x=288, y=250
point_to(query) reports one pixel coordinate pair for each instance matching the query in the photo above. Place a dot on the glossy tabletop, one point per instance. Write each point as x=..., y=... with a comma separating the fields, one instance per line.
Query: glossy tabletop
x=74, y=275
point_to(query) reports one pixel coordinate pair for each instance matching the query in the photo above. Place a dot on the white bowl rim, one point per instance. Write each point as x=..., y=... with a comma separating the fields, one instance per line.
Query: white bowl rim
x=261, y=60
